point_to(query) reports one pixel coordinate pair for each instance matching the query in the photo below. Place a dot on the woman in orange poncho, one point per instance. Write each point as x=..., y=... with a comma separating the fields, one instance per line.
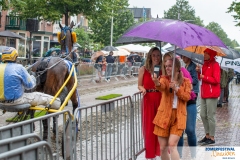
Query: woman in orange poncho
x=170, y=120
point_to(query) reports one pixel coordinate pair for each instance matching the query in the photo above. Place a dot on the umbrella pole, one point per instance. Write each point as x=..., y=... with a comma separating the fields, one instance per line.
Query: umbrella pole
x=173, y=67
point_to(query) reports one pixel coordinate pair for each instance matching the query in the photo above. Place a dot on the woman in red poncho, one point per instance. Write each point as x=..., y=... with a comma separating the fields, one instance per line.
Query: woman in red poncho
x=210, y=91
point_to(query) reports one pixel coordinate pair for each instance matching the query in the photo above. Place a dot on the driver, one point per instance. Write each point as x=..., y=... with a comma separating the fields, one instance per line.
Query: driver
x=14, y=79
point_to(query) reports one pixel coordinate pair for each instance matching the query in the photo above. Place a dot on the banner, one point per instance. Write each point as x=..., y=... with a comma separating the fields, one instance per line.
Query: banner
x=212, y=152
x=228, y=63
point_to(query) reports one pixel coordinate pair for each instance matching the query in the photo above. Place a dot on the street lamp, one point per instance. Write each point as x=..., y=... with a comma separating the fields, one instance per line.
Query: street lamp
x=111, y=39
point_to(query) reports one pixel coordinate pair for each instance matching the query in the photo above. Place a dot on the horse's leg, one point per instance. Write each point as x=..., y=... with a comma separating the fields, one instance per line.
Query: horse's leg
x=51, y=87
x=45, y=129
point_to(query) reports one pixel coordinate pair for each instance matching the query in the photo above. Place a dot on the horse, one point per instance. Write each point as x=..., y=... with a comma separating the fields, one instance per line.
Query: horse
x=53, y=71
x=67, y=38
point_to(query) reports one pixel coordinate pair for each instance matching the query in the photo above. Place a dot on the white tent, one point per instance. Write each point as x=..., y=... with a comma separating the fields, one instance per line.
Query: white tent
x=120, y=52
x=135, y=48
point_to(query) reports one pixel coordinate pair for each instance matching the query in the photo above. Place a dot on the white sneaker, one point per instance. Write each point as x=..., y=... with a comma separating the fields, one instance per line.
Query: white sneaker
x=106, y=80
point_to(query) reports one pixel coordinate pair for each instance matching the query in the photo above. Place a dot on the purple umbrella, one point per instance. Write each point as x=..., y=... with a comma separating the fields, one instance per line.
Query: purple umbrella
x=179, y=33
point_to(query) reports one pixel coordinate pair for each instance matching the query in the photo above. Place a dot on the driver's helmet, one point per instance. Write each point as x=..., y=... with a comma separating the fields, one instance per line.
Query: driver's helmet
x=9, y=54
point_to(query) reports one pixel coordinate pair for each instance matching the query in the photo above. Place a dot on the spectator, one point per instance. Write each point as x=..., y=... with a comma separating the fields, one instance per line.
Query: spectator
x=142, y=61
x=74, y=55
x=223, y=84
x=130, y=58
x=16, y=80
x=237, y=77
x=110, y=60
x=104, y=66
x=121, y=63
x=210, y=91
x=137, y=58
x=98, y=66
x=226, y=89
x=151, y=101
x=191, y=110
x=75, y=58
x=170, y=120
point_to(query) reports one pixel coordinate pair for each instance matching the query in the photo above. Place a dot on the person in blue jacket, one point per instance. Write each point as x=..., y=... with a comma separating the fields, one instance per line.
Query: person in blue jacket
x=14, y=80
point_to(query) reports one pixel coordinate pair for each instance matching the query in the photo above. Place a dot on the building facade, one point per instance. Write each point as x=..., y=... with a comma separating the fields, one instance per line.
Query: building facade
x=41, y=40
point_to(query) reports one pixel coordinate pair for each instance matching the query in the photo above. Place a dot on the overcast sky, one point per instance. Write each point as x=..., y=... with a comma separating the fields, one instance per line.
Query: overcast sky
x=207, y=10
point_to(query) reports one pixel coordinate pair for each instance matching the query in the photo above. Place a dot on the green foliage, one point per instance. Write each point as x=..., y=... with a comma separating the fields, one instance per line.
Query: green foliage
x=183, y=11
x=107, y=97
x=235, y=8
x=187, y=13
x=101, y=26
x=82, y=37
x=4, y=4
x=216, y=28
x=53, y=10
x=22, y=117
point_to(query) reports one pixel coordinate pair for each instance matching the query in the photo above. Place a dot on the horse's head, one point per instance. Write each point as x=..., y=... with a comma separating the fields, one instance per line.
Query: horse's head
x=65, y=38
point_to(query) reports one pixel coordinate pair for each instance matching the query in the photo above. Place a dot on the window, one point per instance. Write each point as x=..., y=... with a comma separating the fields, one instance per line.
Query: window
x=36, y=50
x=21, y=46
x=40, y=45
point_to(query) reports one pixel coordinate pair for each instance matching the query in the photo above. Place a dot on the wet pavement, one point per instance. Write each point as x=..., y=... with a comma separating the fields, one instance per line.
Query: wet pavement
x=227, y=125
x=227, y=120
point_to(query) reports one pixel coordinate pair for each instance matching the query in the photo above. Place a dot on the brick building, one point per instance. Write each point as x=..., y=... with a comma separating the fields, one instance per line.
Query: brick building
x=44, y=38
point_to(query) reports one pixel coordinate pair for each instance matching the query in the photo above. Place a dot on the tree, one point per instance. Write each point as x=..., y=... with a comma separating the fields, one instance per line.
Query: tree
x=184, y=12
x=235, y=7
x=187, y=13
x=216, y=28
x=101, y=26
x=53, y=10
x=82, y=37
x=4, y=4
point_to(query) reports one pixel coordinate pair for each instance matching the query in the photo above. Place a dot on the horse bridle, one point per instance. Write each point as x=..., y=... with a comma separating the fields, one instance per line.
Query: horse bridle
x=65, y=29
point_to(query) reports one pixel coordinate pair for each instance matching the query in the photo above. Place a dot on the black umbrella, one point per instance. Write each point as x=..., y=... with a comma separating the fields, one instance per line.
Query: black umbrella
x=231, y=53
x=198, y=58
x=110, y=48
x=10, y=35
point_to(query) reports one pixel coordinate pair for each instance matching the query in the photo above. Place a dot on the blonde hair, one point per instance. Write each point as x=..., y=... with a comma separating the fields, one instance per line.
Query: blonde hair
x=165, y=58
x=148, y=63
x=177, y=67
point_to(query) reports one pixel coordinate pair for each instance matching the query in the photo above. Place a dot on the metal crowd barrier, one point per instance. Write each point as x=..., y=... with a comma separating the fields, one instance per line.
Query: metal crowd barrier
x=36, y=126
x=20, y=147
x=18, y=141
x=105, y=130
x=118, y=70
x=137, y=123
x=31, y=151
x=110, y=130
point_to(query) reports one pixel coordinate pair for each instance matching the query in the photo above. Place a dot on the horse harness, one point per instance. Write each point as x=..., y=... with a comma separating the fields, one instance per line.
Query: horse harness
x=41, y=71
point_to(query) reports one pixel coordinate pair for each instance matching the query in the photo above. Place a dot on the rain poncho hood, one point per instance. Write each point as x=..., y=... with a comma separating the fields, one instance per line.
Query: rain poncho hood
x=211, y=53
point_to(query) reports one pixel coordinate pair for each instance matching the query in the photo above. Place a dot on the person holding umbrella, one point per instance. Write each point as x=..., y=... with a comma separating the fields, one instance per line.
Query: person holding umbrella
x=151, y=101
x=191, y=110
x=210, y=91
x=170, y=120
